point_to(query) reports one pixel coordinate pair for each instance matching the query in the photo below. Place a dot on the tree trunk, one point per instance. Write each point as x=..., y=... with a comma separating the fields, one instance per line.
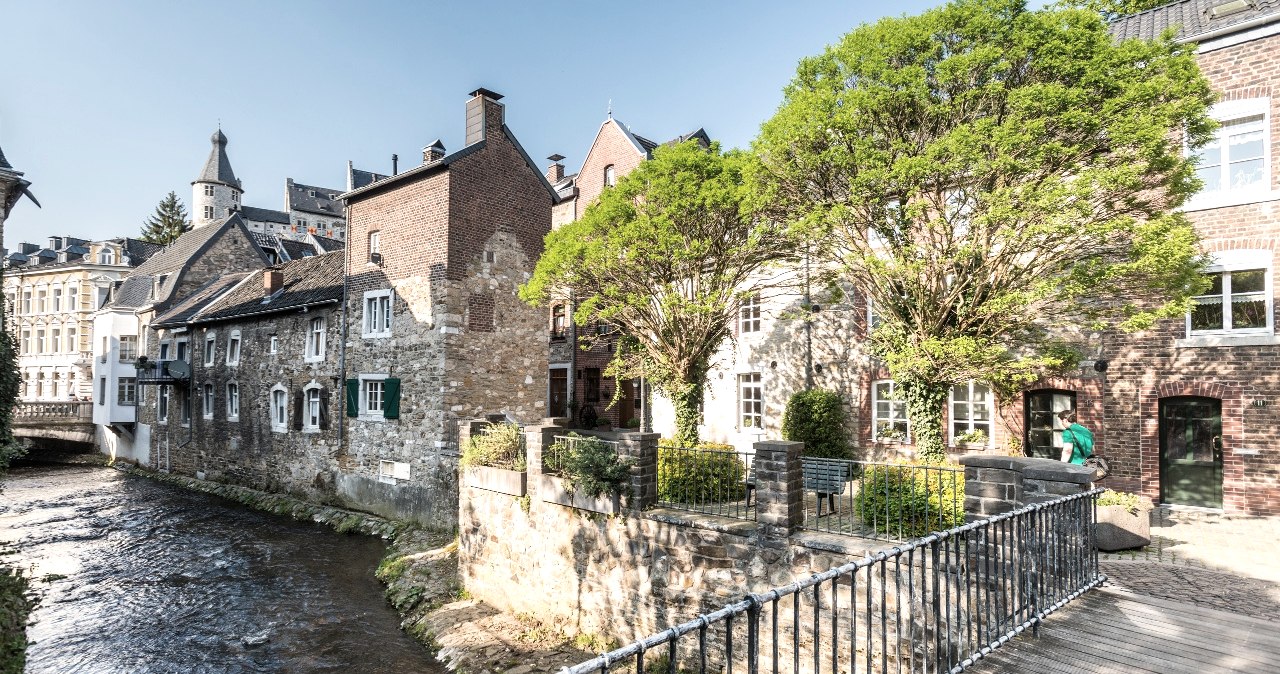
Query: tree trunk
x=926, y=401
x=687, y=400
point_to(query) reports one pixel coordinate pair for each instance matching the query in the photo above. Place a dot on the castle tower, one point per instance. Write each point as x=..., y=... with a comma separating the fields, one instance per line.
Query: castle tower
x=216, y=193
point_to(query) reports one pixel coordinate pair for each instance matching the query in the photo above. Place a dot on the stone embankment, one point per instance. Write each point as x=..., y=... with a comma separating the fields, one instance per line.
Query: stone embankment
x=420, y=572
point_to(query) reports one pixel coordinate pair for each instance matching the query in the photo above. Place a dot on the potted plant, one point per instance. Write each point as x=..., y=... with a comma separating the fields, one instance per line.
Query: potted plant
x=1124, y=521
x=888, y=433
x=494, y=460
x=974, y=440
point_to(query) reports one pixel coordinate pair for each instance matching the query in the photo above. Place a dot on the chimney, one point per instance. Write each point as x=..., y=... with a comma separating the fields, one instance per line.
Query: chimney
x=272, y=280
x=555, y=172
x=484, y=115
x=433, y=152
x=395, y=164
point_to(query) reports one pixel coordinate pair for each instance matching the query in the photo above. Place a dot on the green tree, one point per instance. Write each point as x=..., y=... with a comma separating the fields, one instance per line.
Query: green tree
x=666, y=256
x=1110, y=10
x=995, y=180
x=167, y=223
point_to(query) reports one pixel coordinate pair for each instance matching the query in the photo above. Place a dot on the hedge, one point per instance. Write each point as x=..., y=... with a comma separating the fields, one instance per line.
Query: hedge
x=908, y=501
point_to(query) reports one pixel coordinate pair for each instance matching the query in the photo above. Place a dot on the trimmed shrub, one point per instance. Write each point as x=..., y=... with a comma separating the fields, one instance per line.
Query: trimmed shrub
x=907, y=501
x=714, y=476
x=593, y=468
x=817, y=418
x=497, y=446
x=1131, y=502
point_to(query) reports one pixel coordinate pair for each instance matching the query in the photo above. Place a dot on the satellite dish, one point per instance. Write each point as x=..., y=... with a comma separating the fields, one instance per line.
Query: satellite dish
x=178, y=369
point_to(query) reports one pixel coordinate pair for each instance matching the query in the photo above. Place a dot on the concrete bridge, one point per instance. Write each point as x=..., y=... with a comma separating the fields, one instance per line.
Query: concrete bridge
x=56, y=425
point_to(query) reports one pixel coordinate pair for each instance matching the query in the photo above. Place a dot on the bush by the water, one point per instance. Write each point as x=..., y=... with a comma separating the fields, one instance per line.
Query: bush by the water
x=817, y=418
x=497, y=446
x=711, y=474
x=907, y=500
x=16, y=601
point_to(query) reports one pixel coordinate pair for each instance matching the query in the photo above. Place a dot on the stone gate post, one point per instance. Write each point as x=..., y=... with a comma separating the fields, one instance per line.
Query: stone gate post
x=779, y=487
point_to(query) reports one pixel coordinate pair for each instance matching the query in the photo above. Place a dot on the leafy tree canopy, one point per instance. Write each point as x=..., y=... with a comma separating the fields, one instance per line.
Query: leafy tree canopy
x=666, y=256
x=993, y=179
x=167, y=223
x=1111, y=10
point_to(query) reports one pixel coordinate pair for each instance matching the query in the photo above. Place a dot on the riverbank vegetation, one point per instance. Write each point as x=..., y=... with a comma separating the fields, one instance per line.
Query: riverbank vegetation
x=16, y=602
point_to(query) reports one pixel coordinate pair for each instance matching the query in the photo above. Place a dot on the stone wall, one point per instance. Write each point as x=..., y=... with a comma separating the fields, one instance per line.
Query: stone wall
x=999, y=484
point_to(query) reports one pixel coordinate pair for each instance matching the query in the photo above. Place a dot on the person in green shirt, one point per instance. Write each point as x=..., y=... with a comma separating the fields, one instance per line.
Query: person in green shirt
x=1077, y=441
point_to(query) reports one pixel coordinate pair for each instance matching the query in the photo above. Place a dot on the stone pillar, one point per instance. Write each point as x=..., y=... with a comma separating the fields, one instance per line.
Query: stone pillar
x=779, y=487
x=537, y=438
x=642, y=450
x=999, y=484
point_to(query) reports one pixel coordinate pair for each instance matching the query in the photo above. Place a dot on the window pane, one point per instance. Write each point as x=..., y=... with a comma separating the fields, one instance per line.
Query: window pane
x=960, y=411
x=1248, y=281
x=1247, y=145
x=958, y=429
x=960, y=392
x=1210, y=155
x=1248, y=312
x=1245, y=173
x=1215, y=283
x=1207, y=315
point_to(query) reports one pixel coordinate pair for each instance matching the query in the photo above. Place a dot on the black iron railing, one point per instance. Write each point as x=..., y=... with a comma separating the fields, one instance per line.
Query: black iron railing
x=887, y=501
x=712, y=481
x=937, y=604
x=557, y=453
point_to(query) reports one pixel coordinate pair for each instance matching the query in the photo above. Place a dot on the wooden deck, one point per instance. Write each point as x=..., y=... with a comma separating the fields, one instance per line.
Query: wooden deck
x=1114, y=631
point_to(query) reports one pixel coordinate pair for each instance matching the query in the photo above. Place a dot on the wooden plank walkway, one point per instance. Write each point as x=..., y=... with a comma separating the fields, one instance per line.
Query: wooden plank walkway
x=1112, y=630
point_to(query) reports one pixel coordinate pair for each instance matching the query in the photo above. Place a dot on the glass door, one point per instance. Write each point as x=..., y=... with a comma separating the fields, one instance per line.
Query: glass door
x=1044, y=429
x=1191, y=451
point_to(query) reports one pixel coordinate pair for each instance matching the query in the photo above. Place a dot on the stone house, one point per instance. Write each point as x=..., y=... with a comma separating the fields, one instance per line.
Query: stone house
x=434, y=329
x=12, y=188
x=261, y=403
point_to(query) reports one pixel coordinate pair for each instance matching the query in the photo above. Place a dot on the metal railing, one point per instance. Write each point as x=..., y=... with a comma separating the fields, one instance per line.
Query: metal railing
x=71, y=410
x=937, y=604
x=886, y=501
x=712, y=481
x=557, y=453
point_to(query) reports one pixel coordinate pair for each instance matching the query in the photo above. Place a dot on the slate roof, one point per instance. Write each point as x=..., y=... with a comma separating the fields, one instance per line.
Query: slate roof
x=217, y=168
x=133, y=292
x=189, y=306
x=328, y=245
x=16, y=258
x=1191, y=18
x=357, y=178
x=139, y=251
x=175, y=255
x=298, y=197
x=297, y=250
x=264, y=215
x=4, y=163
x=310, y=281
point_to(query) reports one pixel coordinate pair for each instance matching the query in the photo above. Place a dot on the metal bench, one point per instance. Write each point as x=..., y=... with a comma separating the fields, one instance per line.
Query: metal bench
x=827, y=478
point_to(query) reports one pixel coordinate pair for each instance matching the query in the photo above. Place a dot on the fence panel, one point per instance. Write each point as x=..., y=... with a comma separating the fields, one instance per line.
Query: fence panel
x=937, y=604
x=885, y=501
x=555, y=456
x=712, y=481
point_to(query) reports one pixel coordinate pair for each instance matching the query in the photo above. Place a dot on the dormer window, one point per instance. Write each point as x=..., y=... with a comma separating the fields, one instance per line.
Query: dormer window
x=106, y=256
x=610, y=177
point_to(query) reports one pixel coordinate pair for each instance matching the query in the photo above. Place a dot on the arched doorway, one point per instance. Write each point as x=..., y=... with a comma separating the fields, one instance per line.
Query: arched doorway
x=1044, y=429
x=1191, y=451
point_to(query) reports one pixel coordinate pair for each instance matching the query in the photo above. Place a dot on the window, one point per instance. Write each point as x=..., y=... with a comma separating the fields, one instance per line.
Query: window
x=208, y=212
x=73, y=342
x=185, y=396
x=375, y=244
x=42, y=301
x=233, y=348
x=890, y=419
x=165, y=348
x=233, y=401
x=610, y=176
x=391, y=471
x=26, y=301
x=591, y=385
x=371, y=397
x=106, y=256
x=40, y=340
x=183, y=353
x=162, y=404
x=102, y=390
x=315, y=340
x=26, y=341
x=210, y=347
x=128, y=348
x=749, y=314
x=751, y=395
x=377, y=313
x=311, y=400
x=1239, y=297
x=73, y=298
x=279, y=409
x=275, y=344
x=57, y=300
x=1235, y=160
x=873, y=318
x=208, y=190
x=971, y=412
x=127, y=391
x=55, y=340
x=208, y=401
x=558, y=326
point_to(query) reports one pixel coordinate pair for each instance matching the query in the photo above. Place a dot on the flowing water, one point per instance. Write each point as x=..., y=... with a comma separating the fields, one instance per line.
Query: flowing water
x=149, y=578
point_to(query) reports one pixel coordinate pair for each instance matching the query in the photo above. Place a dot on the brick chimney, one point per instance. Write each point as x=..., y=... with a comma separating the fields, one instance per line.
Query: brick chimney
x=272, y=280
x=555, y=172
x=433, y=152
x=484, y=115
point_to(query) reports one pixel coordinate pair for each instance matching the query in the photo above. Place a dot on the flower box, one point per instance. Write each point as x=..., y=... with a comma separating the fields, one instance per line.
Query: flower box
x=498, y=480
x=1119, y=529
x=556, y=490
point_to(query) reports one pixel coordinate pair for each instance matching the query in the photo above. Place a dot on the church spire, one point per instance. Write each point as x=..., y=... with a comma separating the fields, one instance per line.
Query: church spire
x=217, y=169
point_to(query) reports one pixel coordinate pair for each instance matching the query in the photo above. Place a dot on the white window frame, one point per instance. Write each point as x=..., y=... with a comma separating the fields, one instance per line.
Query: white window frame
x=750, y=402
x=207, y=400
x=106, y=256
x=749, y=314
x=208, y=212
x=390, y=472
x=234, y=344
x=971, y=424
x=279, y=413
x=73, y=339
x=163, y=398
x=378, y=314
x=127, y=391
x=233, y=401
x=1225, y=113
x=315, y=340
x=897, y=410
x=310, y=421
x=275, y=345
x=375, y=243
x=127, y=355
x=364, y=412
x=1225, y=263
x=210, y=347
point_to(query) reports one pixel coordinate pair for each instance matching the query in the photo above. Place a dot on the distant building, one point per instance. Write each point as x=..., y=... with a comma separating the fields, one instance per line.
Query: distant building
x=12, y=188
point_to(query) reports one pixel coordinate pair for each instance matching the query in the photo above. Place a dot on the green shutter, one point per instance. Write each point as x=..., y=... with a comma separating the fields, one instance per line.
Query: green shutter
x=353, y=397
x=391, y=398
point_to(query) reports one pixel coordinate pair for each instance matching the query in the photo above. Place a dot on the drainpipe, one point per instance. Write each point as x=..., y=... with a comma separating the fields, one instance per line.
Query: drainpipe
x=342, y=343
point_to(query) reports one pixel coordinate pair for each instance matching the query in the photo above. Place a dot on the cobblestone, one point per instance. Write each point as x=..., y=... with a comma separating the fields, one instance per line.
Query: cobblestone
x=1205, y=558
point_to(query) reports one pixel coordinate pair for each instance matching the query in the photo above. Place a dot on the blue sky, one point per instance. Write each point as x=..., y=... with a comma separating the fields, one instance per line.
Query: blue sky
x=107, y=106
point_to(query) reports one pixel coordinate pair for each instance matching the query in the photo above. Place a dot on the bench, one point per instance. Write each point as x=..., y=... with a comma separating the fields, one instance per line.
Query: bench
x=828, y=478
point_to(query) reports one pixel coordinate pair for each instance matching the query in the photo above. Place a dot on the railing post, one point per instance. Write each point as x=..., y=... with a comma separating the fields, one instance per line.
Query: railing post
x=642, y=450
x=779, y=487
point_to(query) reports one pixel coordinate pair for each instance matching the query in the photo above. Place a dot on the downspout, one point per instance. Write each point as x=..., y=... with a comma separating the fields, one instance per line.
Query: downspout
x=342, y=344
x=191, y=422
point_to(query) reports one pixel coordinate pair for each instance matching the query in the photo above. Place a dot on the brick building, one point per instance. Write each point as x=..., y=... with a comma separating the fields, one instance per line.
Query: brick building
x=434, y=328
